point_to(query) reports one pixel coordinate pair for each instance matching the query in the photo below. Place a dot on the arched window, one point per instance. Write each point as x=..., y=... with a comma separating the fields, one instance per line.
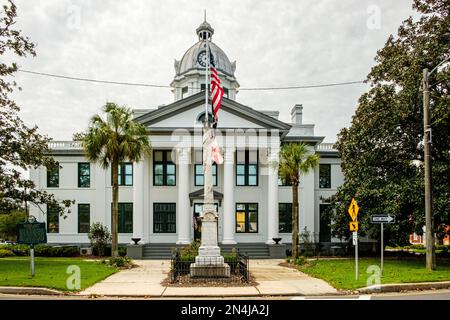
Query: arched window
x=201, y=117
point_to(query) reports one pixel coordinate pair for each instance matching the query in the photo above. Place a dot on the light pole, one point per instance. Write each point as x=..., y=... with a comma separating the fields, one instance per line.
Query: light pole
x=429, y=221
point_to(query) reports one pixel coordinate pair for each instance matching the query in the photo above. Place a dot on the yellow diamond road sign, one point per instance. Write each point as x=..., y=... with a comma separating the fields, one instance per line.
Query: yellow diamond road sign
x=353, y=226
x=353, y=209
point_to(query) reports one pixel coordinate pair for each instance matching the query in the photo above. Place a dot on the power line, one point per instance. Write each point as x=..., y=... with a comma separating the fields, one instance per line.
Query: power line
x=93, y=80
x=136, y=84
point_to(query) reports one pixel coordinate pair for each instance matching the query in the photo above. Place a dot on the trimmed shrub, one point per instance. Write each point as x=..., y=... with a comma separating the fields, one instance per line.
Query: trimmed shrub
x=43, y=250
x=6, y=253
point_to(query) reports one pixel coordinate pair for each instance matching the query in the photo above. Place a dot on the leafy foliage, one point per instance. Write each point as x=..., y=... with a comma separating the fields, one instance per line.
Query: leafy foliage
x=382, y=150
x=8, y=224
x=99, y=237
x=110, y=141
x=21, y=147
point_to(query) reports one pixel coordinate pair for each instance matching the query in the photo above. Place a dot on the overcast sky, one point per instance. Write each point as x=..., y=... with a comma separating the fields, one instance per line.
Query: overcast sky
x=275, y=43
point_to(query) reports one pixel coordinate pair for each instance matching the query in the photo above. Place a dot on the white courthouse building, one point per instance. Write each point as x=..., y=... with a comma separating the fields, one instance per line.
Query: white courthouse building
x=160, y=197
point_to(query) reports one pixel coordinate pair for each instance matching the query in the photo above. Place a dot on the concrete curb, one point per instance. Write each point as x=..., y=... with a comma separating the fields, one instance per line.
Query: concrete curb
x=398, y=287
x=31, y=291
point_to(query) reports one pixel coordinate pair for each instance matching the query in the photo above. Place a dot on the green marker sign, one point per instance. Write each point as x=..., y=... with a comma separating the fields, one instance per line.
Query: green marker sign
x=31, y=233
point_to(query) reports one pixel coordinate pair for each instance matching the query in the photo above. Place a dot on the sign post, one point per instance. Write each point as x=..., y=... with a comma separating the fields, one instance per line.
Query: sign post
x=353, y=211
x=382, y=219
x=31, y=233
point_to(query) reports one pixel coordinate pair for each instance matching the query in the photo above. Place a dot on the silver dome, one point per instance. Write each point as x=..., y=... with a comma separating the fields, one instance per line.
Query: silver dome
x=189, y=60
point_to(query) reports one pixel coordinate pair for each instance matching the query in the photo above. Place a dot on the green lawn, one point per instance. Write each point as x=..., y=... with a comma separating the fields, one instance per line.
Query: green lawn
x=51, y=272
x=340, y=273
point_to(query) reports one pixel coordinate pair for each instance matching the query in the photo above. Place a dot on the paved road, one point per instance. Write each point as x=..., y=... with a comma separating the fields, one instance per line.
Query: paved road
x=423, y=295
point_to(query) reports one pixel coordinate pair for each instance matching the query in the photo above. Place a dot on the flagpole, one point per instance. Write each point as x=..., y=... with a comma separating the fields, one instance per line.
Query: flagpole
x=206, y=81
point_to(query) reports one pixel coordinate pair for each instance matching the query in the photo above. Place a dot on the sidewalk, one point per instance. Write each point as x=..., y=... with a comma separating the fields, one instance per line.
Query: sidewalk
x=272, y=279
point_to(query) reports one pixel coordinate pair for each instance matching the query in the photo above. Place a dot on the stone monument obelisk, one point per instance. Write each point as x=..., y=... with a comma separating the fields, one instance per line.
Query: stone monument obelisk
x=209, y=262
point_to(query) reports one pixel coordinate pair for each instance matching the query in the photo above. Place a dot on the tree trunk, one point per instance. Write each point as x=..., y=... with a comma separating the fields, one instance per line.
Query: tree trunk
x=294, y=220
x=115, y=209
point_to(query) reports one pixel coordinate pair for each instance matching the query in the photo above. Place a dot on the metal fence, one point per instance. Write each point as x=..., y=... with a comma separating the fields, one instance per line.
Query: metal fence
x=180, y=271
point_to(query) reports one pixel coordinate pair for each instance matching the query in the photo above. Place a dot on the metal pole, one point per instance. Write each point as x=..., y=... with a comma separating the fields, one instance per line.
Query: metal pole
x=382, y=247
x=206, y=80
x=32, y=260
x=430, y=258
x=356, y=253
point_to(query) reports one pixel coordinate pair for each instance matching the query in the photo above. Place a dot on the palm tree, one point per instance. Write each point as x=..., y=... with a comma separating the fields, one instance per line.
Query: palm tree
x=294, y=159
x=110, y=141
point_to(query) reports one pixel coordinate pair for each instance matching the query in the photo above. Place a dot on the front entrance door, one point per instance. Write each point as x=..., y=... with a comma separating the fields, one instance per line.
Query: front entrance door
x=197, y=221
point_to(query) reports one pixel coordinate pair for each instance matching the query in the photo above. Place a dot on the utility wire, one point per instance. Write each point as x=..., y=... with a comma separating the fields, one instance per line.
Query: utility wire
x=136, y=84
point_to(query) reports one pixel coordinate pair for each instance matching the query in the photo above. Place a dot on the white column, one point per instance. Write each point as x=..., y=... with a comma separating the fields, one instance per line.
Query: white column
x=228, y=197
x=272, y=194
x=138, y=200
x=184, y=223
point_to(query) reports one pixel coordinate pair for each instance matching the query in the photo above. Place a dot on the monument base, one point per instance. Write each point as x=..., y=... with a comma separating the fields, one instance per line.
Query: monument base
x=210, y=271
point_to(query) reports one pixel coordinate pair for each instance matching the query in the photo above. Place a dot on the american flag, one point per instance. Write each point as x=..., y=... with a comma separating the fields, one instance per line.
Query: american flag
x=217, y=92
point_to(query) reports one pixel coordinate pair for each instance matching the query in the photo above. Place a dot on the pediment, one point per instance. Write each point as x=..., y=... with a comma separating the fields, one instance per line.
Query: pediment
x=185, y=113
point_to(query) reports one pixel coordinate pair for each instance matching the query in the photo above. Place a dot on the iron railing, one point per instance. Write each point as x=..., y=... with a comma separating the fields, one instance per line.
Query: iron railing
x=180, y=270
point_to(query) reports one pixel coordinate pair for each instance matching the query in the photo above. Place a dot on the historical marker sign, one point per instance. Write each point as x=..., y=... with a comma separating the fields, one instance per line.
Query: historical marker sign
x=382, y=218
x=31, y=233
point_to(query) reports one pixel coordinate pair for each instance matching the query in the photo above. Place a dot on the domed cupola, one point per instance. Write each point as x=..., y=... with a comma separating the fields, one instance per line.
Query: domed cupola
x=190, y=70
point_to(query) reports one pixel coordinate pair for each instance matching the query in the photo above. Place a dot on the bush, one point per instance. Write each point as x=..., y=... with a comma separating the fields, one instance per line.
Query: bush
x=122, y=251
x=120, y=262
x=6, y=253
x=100, y=237
x=417, y=247
x=190, y=250
x=17, y=249
x=8, y=224
x=43, y=250
x=300, y=261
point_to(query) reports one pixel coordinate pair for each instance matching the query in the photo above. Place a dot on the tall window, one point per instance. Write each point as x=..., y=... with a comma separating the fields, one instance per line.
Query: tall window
x=184, y=92
x=52, y=219
x=284, y=181
x=84, y=217
x=125, y=219
x=53, y=177
x=246, y=217
x=285, y=217
x=84, y=175
x=198, y=170
x=325, y=176
x=164, y=172
x=164, y=217
x=246, y=167
x=125, y=174
x=325, y=221
x=226, y=92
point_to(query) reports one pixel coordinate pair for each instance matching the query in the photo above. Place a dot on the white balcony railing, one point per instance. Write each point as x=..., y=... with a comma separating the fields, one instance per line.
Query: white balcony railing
x=64, y=145
x=326, y=147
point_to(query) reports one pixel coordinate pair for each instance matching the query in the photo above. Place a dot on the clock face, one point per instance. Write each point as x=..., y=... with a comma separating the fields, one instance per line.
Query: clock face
x=201, y=58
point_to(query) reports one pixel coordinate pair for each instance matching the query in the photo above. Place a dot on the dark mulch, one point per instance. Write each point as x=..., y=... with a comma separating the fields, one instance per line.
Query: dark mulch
x=188, y=282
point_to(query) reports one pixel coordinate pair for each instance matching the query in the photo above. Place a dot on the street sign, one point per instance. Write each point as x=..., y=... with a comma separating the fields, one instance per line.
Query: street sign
x=353, y=225
x=31, y=233
x=382, y=218
x=353, y=209
x=355, y=238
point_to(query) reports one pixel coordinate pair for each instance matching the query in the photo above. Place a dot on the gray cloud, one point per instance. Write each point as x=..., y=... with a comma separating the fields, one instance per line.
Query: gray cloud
x=275, y=43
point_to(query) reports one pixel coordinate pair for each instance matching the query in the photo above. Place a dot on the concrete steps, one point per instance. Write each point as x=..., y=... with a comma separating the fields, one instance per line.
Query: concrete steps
x=163, y=250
